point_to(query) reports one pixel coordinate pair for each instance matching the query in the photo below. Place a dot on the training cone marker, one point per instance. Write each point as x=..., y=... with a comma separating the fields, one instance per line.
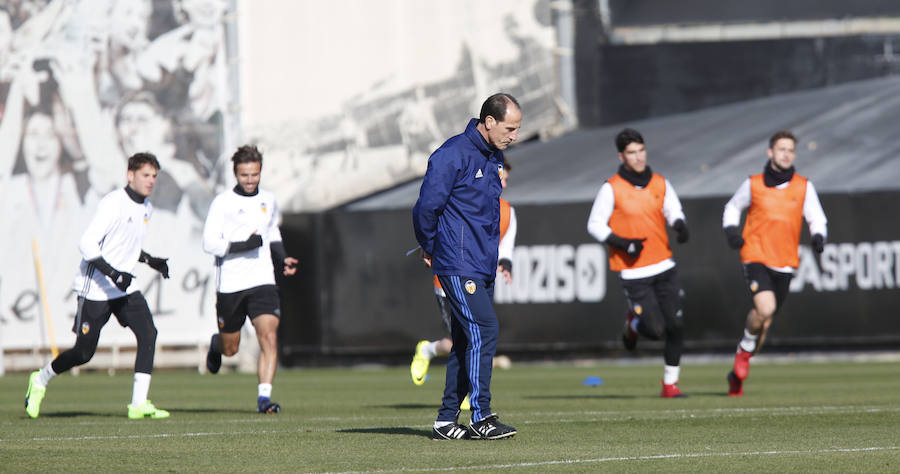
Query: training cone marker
x=592, y=381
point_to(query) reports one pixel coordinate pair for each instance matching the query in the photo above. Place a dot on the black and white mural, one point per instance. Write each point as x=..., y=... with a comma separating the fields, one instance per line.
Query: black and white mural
x=83, y=85
x=350, y=97
x=345, y=97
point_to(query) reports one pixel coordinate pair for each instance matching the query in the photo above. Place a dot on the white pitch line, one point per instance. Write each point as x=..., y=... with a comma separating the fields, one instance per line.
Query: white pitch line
x=541, y=417
x=487, y=467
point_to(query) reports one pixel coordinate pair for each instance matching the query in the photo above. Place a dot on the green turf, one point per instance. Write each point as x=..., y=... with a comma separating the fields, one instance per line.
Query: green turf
x=811, y=417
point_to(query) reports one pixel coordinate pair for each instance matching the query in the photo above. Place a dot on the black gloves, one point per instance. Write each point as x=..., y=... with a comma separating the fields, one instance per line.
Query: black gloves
x=682, y=230
x=253, y=242
x=632, y=247
x=156, y=263
x=735, y=240
x=506, y=265
x=120, y=279
x=818, y=243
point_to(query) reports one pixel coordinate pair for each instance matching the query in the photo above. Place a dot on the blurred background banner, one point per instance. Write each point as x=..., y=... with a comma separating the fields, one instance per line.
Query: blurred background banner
x=361, y=297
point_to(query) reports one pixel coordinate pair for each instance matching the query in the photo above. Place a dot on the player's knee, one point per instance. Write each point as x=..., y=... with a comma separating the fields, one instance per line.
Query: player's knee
x=269, y=340
x=229, y=350
x=83, y=354
x=652, y=330
x=150, y=335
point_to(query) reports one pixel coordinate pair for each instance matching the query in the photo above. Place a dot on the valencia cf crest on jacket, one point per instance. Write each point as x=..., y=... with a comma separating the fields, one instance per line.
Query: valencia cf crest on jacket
x=470, y=287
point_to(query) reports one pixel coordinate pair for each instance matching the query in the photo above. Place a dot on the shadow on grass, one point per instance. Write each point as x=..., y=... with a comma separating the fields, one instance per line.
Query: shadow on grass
x=392, y=430
x=407, y=406
x=582, y=397
x=76, y=414
x=207, y=410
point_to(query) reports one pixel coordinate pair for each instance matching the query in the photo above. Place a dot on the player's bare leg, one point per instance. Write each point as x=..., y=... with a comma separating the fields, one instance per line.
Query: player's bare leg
x=758, y=321
x=266, y=326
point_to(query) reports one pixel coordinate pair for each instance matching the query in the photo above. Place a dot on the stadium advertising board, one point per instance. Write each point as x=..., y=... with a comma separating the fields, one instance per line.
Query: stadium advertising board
x=564, y=298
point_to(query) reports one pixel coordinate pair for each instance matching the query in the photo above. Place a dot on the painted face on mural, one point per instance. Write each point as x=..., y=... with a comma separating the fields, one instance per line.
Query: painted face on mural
x=141, y=128
x=204, y=13
x=41, y=147
x=128, y=21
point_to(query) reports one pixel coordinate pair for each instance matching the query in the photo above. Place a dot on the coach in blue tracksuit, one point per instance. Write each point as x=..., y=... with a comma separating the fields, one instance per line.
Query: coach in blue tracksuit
x=457, y=224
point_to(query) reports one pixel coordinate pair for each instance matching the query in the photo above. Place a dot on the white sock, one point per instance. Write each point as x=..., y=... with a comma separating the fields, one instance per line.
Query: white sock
x=45, y=375
x=265, y=390
x=430, y=349
x=670, y=374
x=748, y=342
x=441, y=424
x=141, y=388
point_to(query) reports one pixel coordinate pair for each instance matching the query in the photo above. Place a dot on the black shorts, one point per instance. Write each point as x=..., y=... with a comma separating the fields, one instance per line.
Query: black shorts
x=233, y=308
x=762, y=278
x=657, y=298
x=130, y=310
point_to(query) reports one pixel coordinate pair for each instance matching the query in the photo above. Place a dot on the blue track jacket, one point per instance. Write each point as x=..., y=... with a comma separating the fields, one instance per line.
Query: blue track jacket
x=457, y=216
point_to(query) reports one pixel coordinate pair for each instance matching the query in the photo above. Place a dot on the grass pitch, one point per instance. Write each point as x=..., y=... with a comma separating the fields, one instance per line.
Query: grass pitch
x=805, y=417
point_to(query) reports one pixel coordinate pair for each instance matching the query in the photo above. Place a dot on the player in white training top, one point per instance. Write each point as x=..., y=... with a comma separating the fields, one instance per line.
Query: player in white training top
x=241, y=231
x=111, y=246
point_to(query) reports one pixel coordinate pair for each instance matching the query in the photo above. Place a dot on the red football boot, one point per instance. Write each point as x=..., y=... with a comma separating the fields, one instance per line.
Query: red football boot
x=742, y=364
x=671, y=391
x=735, y=385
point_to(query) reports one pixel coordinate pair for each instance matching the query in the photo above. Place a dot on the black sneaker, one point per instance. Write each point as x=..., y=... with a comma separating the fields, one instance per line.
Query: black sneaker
x=213, y=357
x=452, y=431
x=267, y=406
x=491, y=428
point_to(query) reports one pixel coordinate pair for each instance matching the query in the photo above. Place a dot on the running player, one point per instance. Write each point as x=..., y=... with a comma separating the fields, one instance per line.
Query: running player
x=779, y=199
x=630, y=214
x=241, y=231
x=111, y=246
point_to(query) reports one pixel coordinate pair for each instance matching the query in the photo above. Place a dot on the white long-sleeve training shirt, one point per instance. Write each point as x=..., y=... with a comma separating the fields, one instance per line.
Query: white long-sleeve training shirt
x=598, y=226
x=508, y=242
x=234, y=218
x=812, y=211
x=116, y=233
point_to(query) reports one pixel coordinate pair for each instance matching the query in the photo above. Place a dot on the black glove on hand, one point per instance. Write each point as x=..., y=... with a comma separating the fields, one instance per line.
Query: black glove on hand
x=156, y=263
x=505, y=265
x=121, y=279
x=818, y=243
x=632, y=247
x=735, y=240
x=253, y=242
x=682, y=230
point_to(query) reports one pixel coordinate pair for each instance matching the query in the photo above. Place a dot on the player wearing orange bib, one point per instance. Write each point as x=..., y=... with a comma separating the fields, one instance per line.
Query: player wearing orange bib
x=778, y=201
x=630, y=214
x=426, y=350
